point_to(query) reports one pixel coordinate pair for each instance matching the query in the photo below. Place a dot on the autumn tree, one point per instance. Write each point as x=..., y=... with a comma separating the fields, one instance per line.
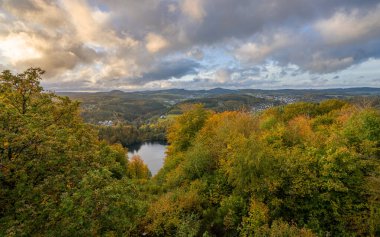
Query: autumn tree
x=304, y=169
x=56, y=178
x=183, y=131
x=137, y=168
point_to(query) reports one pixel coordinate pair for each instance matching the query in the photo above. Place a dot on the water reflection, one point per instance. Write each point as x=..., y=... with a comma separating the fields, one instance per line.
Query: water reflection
x=152, y=153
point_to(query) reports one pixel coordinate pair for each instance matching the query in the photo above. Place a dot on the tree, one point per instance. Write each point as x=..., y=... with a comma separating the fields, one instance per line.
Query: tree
x=137, y=169
x=293, y=170
x=51, y=163
x=22, y=88
x=183, y=131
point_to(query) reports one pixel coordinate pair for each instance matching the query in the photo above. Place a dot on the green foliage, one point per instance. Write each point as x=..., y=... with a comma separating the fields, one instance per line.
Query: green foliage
x=101, y=206
x=175, y=213
x=305, y=169
x=137, y=169
x=127, y=135
x=363, y=132
x=183, y=131
x=124, y=135
x=56, y=178
x=258, y=216
x=290, y=171
x=227, y=102
x=282, y=229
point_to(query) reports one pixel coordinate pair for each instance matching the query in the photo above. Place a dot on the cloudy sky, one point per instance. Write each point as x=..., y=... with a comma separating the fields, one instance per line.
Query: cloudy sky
x=99, y=45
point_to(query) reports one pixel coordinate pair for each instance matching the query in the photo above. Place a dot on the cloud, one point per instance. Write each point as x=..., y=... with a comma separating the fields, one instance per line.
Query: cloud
x=155, y=43
x=347, y=27
x=61, y=37
x=46, y=13
x=256, y=53
x=193, y=9
x=168, y=70
x=17, y=47
x=321, y=64
x=196, y=53
x=137, y=44
x=322, y=46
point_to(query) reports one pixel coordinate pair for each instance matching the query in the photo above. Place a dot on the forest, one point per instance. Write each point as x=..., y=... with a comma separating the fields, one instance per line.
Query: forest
x=303, y=169
x=129, y=134
x=138, y=108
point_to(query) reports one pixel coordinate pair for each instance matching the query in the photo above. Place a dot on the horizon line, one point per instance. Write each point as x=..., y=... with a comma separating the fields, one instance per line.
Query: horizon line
x=239, y=89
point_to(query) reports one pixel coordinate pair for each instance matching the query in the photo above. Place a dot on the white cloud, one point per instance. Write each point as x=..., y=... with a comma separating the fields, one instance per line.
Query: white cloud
x=193, y=9
x=132, y=44
x=155, y=42
x=47, y=13
x=258, y=52
x=88, y=28
x=17, y=47
x=347, y=27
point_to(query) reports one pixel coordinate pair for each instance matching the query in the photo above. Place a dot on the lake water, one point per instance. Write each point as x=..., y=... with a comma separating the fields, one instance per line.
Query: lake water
x=153, y=154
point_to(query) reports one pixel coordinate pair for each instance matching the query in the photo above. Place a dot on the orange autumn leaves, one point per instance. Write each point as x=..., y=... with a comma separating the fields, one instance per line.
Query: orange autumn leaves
x=305, y=166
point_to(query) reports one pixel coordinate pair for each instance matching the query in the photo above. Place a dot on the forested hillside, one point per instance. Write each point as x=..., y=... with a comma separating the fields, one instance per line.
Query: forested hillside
x=299, y=170
x=147, y=106
x=56, y=178
x=305, y=169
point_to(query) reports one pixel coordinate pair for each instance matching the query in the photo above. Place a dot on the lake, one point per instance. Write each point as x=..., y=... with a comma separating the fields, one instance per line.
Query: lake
x=153, y=154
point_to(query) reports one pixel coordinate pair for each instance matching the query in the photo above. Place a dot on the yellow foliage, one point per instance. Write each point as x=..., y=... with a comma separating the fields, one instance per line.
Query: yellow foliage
x=137, y=168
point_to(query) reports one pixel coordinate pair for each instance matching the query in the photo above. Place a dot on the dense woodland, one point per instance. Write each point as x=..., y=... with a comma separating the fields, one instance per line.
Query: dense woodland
x=129, y=134
x=305, y=169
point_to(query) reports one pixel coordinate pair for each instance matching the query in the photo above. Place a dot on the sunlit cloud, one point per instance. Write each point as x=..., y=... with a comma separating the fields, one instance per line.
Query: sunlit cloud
x=18, y=47
x=135, y=45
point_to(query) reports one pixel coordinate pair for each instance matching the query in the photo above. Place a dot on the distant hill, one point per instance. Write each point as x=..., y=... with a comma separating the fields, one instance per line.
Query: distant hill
x=145, y=106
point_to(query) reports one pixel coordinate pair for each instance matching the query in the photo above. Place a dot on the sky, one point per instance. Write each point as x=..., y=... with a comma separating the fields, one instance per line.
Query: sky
x=129, y=45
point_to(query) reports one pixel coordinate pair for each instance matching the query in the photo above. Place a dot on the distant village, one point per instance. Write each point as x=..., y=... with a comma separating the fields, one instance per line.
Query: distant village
x=106, y=123
x=256, y=108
